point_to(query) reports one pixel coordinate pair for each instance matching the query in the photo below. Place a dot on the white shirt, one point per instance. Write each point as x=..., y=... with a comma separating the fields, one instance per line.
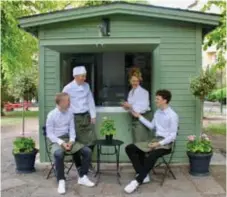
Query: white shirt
x=58, y=124
x=165, y=122
x=81, y=98
x=139, y=99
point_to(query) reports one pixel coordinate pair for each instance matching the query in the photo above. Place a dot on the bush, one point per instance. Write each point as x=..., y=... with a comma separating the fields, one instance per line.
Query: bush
x=23, y=145
x=217, y=95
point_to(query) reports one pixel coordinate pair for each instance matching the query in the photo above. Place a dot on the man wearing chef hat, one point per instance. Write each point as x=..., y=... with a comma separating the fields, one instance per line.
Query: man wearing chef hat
x=82, y=105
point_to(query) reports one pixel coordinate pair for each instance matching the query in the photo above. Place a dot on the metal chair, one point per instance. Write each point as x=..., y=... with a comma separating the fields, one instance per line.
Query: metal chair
x=52, y=169
x=166, y=162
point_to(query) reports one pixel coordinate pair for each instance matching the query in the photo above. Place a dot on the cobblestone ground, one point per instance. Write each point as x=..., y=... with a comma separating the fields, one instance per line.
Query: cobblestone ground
x=35, y=184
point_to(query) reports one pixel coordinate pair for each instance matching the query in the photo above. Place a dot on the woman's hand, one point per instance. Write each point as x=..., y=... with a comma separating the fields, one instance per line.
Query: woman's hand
x=126, y=105
x=135, y=114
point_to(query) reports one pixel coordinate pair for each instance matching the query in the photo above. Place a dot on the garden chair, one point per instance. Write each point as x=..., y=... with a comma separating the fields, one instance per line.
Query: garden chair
x=52, y=169
x=166, y=162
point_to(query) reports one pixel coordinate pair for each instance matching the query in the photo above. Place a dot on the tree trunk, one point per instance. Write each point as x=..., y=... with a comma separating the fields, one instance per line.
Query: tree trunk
x=2, y=108
x=221, y=94
x=23, y=119
x=201, y=118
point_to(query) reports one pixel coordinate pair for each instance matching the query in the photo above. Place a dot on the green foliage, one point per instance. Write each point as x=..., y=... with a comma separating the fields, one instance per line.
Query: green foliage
x=217, y=95
x=103, y=2
x=203, y=84
x=200, y=145
x=218, y=36
x=19, y=47
x=23, y=145
x=24, y=84
x=216, y=128
x=107, y=127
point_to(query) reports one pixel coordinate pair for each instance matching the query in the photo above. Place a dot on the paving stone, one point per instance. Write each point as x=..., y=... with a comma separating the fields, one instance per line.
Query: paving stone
x=219, y=195
x=11, y=183
x=86, y=191
x=22, y=191
x=44, y=192
x=174, y=193
x=207, y=185
x=218, y=159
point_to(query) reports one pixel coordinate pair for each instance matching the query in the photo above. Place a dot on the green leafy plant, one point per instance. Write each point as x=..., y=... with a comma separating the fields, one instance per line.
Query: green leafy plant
x=107, y=127
x=203, y=84
x=199, y=145
x=23, y=145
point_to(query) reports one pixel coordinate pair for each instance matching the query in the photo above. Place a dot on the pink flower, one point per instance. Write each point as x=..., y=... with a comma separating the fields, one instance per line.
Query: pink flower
x=191, y=138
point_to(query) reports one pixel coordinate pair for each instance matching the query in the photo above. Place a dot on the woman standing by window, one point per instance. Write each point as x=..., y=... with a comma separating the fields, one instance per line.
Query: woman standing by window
x=138, y=101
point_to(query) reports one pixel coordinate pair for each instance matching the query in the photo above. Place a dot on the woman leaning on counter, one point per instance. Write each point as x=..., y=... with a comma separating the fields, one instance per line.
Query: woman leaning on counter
x=138, y=101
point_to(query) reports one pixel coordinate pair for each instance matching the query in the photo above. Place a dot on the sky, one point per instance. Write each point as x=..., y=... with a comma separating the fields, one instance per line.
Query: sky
x=183, y=4
x=173, y=3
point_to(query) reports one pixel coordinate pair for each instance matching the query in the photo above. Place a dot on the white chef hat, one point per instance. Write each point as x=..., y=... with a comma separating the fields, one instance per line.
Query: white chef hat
x=79, y=70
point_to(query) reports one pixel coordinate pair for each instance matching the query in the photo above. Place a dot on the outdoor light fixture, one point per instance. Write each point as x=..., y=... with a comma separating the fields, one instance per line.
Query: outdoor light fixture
x=104, y=27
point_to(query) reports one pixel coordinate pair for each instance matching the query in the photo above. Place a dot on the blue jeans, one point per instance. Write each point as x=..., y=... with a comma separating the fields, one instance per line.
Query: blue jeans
x=85, y=158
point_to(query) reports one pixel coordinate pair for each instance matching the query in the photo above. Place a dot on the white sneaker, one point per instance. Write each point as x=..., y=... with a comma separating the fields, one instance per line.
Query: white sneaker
x=61, y=186
x=146, y=179
x=131, y=187
x=85, y=181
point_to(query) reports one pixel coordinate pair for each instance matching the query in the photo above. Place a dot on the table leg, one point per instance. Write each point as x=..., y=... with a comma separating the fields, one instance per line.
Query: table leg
x=98, y=160
x=117, y=159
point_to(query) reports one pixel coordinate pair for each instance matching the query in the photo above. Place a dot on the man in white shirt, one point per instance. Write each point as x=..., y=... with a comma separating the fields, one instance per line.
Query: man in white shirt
x=61, y=133
x=165, y=123
x=82, y=105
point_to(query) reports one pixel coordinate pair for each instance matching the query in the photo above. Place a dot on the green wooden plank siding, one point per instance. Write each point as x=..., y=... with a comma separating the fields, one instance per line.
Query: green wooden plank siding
x=49, y=85
x=177, y=59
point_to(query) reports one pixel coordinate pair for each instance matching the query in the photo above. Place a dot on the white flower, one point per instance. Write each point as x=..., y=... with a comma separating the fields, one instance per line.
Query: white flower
x=204, y=135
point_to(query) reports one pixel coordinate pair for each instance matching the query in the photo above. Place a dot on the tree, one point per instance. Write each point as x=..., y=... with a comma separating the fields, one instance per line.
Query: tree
x=24, y=84
x=103, y=2
x=218, y=36
x=19, y=47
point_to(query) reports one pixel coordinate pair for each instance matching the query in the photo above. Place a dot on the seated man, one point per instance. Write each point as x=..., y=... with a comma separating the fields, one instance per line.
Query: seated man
x=165, y=123
x=61, y=133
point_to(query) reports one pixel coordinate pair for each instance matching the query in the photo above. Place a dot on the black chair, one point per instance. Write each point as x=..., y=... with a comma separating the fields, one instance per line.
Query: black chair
x=166, y=162
x=52, y=169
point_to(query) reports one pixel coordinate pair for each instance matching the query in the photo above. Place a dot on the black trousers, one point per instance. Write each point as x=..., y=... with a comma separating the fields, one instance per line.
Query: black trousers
x=85, y=158
x=141, y=162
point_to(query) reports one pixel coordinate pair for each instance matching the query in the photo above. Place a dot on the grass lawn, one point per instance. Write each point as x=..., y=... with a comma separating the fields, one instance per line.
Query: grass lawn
x=15, y=117
x=216, y=128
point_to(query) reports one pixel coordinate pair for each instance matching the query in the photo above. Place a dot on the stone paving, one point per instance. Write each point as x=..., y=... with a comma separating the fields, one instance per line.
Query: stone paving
x=36, y=185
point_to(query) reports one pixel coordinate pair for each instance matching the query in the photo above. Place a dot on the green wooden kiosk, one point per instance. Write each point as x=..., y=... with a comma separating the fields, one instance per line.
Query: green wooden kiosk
x=165, y=43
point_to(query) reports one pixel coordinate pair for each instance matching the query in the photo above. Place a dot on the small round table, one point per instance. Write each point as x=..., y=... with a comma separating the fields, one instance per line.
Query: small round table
x=114, y=143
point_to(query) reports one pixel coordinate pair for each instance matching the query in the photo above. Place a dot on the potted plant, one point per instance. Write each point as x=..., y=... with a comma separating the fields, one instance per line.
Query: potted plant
x=202, y=85
x=108, y=129
x=24, y=152
x=199, y=151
